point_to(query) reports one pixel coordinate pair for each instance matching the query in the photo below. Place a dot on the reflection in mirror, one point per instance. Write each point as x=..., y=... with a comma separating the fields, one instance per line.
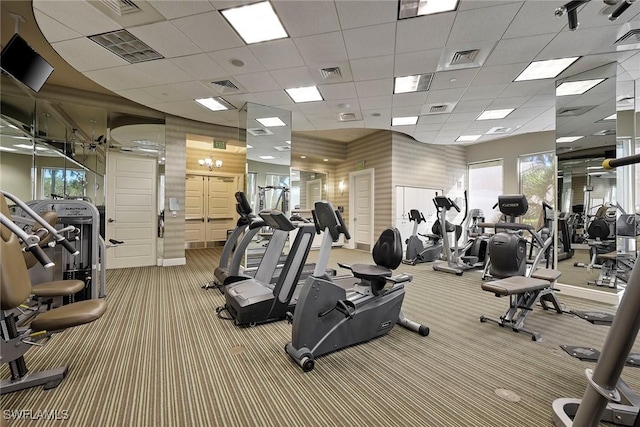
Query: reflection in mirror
x=587, y=196
x=268, y=140
x=16, y=140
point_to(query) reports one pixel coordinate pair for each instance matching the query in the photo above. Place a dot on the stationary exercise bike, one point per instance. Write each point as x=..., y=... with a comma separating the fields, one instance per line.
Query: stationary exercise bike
x=328, y=317
x=417, y=251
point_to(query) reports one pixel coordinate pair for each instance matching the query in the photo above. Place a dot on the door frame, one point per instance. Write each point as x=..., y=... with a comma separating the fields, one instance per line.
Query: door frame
x=352, y=204
x=309, y=183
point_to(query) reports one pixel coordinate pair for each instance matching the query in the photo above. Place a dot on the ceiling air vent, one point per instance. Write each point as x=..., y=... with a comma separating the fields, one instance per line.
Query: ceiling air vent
x=121, y=7
x=283, y=148
x=574, y=111
x=126, y=46
x=464, y=57
x=498, y=131
x=330, y=73
x=346, y=117
x=631, y=37
x=438, y=109
x=225, y=86
x=259, y=131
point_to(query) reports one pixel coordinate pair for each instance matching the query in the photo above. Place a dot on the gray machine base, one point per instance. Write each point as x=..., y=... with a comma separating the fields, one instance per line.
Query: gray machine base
x=49, y=379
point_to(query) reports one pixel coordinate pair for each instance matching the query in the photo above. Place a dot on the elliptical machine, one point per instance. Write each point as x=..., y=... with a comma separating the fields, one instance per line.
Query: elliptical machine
x=417, y=252
x=327, y=317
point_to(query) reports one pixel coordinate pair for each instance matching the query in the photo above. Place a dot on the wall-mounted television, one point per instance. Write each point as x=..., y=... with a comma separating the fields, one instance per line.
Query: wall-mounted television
x=20, y=61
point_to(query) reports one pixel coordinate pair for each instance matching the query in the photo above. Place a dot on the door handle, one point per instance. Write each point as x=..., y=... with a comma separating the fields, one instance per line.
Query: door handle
x=111, y=220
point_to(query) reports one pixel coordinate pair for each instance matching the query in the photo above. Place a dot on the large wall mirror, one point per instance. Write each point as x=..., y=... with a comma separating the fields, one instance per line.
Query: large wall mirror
x=590, y=199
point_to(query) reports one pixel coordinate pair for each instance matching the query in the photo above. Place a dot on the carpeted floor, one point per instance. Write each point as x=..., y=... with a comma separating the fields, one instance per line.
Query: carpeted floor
x=161, y=357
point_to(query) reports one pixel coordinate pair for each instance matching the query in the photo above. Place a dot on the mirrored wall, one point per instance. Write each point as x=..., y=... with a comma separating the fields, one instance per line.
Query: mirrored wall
x=596, y=123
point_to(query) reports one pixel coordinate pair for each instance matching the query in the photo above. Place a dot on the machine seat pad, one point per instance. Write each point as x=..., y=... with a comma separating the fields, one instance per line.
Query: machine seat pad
x=515, y=285
x=370, y=272
x=611, y=256
x=221, y=273
x=547, y=274
x=57, y=288
x=69, y=315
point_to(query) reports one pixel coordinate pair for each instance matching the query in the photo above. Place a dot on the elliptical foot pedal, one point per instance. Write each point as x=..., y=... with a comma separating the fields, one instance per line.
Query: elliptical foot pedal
x=595, y=317
x=588, y=354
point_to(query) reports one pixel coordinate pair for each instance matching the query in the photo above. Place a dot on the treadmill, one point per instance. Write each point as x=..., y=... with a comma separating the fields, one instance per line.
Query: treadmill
x=256, y=300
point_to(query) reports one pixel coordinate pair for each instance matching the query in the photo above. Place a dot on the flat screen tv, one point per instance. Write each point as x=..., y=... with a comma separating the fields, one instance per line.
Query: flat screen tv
x=24, y=64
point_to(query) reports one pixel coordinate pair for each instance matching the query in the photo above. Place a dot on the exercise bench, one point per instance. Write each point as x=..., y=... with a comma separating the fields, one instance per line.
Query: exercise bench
x=524, y=293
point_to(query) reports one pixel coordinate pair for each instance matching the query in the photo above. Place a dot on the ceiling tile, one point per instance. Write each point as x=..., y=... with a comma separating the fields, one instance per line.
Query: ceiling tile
x=344, y=105
x=137, y=95
x=527, y=112
x=371, y=41
x=374, y=102
x=200, y=67
x=293, y=77
x=445, y=95
x=540, y=12
x=372, y=68
x=428, y=127
x=119, y=78
x=304, y=18
x=210, y=31
x=508, y=102
x=433, y=119
x=178, y=9
x=485, y=24
x=406, y=111
x=467, y=118
x=492, y=75
x=317, y=107
x=227, y=4
x=67, y=12
x=424, y=137
x=164, y=93
x=540, y=101
x=277, y=54
x=165, y=39
x=406, y=129
x=472, y=106
x=322, y=48
x=273, y=97
x=258, y=82
x=461, y=79
x=163, y=71
x=364, y=13
x=483, y=92
x=409, y=99
x=371, y=88
x=412, y=33
x=582, y=42
x=521, y=49
x=84, y=55
x=338, y=91
x=56, y=31
x=192, y=90
x=423, y=61
x=531, y=87
x=224, y=58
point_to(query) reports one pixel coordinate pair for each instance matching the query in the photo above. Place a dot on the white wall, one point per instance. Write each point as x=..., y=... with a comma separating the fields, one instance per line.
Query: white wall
x=15, y=174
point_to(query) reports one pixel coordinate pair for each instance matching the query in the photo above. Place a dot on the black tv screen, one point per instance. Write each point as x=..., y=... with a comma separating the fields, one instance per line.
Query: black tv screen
x=24, y=64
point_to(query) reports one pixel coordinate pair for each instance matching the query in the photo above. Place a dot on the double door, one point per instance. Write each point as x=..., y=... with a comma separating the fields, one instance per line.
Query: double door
x=209, y=208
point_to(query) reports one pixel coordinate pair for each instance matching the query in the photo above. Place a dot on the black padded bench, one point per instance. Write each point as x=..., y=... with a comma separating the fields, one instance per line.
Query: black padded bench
x=524, y=293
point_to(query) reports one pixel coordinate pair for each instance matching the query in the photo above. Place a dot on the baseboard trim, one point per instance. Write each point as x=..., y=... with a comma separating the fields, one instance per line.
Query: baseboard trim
x=159, y=262
x=173, y=261
x=612, y=298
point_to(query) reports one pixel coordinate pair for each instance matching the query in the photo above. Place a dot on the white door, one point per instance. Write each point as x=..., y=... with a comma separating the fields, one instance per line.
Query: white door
x=131, y=210
x=314, y=192
x=361, y=208
x=194, y=226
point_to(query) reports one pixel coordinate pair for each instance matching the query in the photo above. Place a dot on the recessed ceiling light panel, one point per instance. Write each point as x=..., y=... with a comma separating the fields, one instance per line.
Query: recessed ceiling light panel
x=546, y=69
x=267, y=157
x=468, y=138
x=413, y=8
x=568, y=138
x=576, y=88
x=415, y=83
x=404, y=121
x=214, y=104
x=256, y=22
x=495, y=114
x=304, y=94
x=271, y=122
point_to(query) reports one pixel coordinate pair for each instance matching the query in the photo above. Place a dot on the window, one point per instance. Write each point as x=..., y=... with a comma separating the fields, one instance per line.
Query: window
x=63, y=182
x=485, y=185
x=536, y=182
x=278, y=196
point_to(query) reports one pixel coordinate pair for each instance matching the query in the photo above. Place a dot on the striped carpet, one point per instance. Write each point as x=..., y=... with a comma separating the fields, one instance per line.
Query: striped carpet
x=161, y=357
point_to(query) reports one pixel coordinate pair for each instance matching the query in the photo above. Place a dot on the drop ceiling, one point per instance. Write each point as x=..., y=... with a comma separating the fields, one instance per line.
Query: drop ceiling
x=366, y=42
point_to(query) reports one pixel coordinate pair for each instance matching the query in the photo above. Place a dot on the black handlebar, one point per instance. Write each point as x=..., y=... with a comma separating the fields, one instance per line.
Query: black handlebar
x=68, y=246
x=623, y=161
x=39, y=254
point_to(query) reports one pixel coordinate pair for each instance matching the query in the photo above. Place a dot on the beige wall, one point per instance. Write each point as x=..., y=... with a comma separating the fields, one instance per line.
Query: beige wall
x=15, y=174
x=508, y=149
